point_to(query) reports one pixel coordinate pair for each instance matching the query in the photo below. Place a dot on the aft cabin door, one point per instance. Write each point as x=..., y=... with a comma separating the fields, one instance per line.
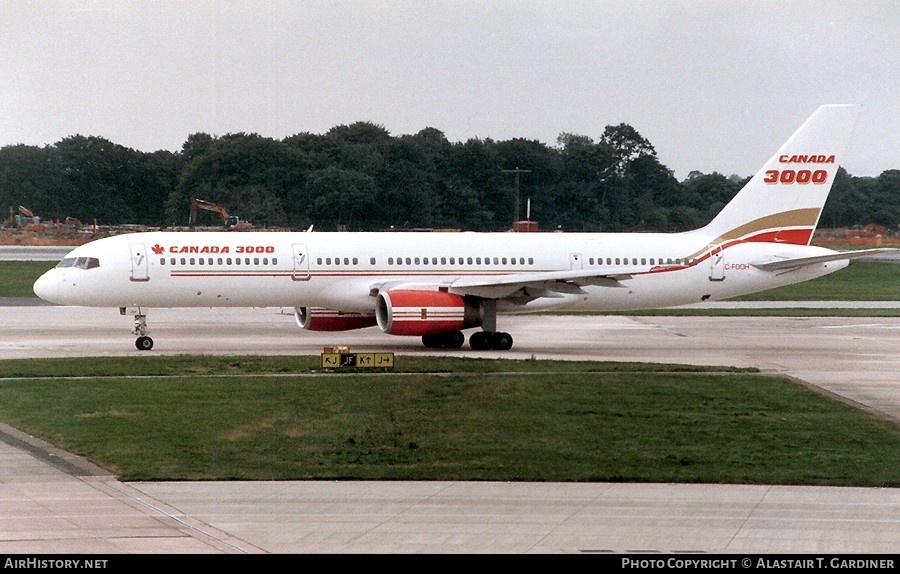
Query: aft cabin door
x=139, y=263
x=301, y=263
x=717, y=263
x=575, y=261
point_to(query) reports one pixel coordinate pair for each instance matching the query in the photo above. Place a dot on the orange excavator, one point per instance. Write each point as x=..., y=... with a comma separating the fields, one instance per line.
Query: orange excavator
x=28, y=220
x=231, y=221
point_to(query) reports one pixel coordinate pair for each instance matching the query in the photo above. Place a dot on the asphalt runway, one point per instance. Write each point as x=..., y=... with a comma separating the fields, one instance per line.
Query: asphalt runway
x=51, y=501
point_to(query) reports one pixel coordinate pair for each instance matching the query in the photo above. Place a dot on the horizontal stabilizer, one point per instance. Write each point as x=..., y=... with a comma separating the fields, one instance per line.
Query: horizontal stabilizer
x=776, y=263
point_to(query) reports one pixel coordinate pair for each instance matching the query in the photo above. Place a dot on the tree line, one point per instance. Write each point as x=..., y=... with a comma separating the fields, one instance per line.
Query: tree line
x=360, y=177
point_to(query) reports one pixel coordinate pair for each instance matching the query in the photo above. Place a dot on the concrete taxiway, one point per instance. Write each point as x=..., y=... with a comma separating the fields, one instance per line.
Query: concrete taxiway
x=53, y=502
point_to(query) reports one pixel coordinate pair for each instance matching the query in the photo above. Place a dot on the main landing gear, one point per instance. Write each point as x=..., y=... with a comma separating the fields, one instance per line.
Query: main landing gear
x=489, y=337
x=479, y=341
x=496, y=340
x=143, y=342
x=451, y=340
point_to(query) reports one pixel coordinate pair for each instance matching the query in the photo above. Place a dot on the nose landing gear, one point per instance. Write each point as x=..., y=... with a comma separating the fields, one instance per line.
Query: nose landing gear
x=143, y=342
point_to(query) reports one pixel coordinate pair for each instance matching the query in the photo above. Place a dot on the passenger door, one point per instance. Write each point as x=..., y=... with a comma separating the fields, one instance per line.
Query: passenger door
x=140, y=265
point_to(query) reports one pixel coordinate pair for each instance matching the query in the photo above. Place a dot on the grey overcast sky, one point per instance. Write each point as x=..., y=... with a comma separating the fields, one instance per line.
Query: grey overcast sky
x=713, y=85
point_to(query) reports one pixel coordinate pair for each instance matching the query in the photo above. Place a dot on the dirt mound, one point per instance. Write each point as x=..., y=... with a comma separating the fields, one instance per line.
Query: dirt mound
x=29, y=237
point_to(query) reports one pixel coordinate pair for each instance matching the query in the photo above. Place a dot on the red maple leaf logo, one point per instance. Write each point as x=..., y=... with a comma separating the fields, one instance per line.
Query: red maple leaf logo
x=158, y=249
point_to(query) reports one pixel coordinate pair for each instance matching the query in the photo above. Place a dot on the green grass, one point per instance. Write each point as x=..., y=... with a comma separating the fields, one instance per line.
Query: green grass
x=271, y=418
x=17, y=277
x=765, y=312
x=211, y=365
x=860, y=281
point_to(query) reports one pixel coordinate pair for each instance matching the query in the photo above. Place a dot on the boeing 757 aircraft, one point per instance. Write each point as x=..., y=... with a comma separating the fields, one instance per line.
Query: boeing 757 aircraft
x=435, y=285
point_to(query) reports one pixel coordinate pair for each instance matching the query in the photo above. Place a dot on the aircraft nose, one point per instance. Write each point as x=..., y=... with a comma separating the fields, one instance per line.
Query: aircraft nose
x=47, y=287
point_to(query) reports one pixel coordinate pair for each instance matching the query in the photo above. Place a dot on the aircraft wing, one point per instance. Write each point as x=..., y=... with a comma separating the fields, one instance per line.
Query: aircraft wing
x=523, y=287
x=776, y=263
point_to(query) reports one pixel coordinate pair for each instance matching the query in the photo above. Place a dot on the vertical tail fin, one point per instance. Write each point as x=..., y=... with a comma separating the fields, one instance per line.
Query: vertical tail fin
x=783, y=201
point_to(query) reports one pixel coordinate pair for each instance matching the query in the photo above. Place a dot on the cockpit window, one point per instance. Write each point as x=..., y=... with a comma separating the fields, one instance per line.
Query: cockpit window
x=80, y=262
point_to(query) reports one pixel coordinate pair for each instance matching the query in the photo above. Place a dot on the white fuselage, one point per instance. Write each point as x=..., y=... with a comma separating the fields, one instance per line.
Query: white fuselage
x=346, y=270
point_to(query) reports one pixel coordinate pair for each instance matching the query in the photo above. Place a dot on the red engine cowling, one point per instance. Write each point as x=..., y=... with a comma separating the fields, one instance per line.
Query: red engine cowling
x=406, y=312
x=319, y=319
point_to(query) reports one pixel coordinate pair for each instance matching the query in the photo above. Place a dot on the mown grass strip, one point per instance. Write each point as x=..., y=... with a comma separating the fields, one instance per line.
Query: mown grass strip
x=564, y=426
x=199, y=365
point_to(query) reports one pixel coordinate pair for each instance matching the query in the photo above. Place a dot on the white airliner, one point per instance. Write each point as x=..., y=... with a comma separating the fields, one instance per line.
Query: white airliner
x=435, y=285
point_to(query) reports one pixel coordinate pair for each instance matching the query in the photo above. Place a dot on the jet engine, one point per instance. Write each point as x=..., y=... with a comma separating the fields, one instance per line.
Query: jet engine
x=410, y=312
x=319, y=319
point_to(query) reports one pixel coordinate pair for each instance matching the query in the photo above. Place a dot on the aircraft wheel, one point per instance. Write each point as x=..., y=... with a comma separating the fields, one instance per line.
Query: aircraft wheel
x=451, y=340
x=455, y=339
x=144, y=343
x=501, y=341
x=479, y=341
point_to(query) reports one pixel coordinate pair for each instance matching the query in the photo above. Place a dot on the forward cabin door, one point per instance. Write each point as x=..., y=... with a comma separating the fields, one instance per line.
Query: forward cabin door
x=140, y=266
x=301, y=263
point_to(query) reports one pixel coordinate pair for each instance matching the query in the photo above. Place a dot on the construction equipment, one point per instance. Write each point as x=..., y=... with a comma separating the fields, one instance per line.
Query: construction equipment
x=230, y=221
x=27, y=220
